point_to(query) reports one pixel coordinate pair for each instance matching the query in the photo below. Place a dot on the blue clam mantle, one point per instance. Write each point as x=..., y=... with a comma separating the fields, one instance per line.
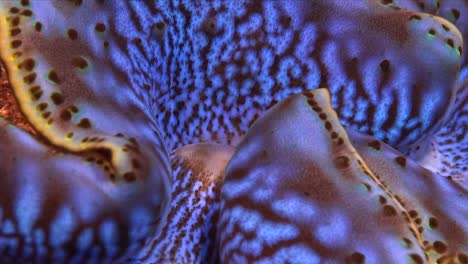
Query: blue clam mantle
x=332, y=130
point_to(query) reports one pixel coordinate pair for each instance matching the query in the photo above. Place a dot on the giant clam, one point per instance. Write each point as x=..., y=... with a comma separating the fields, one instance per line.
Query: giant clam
x=234, y=132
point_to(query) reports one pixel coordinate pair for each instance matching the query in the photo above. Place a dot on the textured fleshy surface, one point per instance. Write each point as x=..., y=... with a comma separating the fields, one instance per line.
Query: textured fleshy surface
x=329, y=201
x=188, y=231
x=389, y=91
x=111, y=87
x=381, y=80
x=446, y=153
x=59, y=208
x=64, y=96
x=288, y=47
x=437, y=204
x=77, y=111
x=455, y=11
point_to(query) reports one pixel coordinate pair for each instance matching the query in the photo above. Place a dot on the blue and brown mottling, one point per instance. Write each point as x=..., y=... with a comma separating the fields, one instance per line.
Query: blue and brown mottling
x=116, y=90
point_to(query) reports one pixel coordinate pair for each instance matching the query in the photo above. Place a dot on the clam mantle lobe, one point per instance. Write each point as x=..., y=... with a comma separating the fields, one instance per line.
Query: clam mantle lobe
x=371, y=169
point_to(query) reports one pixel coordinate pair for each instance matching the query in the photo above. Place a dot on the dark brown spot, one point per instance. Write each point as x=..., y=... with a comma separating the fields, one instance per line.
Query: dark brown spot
x=389, y=210
x=400, y=160
x=53, y=77
x=15, y=31
x=408, y=242
x=15, y=21
x=25, y=2
x=38, y=26
x=72, y=34
x=367, y=186
x=342, y=162
x=129, y=176
x=416, y=258
x=439, y=247
x=451, y=43
x=375, y=144
x=16, y=43
x=27, y=13
x=27, y=64
x=433, y=223
x=84, y=123
x=382, y=199
x=100, y=27
x=57, y=98
x=385, y=65
x=340, y=141
x=323, y=116
x=106, y=44
x=46, y=115
x=159, y=29
x=30, y=78
x=356, y=258
x=328, y=126
x=105, y=153
x=210, y=26
x=36, y=93
x=41, y=107
x=418, y=221
x=334, y=135
x=73, y=109
x=79, y=62
x=309, y=95
x=445, y=27
x=413, y=213
x=312, y=102
x=69, y=134
x=415, y=17
x=14, y=10
x=456, y=13
x=160, y=25
x=420, y=229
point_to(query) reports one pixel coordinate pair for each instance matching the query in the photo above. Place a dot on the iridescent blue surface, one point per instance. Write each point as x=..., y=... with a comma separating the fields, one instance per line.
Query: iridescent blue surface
x=116, y=92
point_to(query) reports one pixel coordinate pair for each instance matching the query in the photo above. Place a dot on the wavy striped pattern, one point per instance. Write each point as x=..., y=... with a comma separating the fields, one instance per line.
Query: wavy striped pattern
x=116, y=91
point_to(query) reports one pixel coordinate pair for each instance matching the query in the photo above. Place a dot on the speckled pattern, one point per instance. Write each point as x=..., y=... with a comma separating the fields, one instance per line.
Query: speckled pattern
x=121, y=93
x=455, y=11
x=331, y=201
